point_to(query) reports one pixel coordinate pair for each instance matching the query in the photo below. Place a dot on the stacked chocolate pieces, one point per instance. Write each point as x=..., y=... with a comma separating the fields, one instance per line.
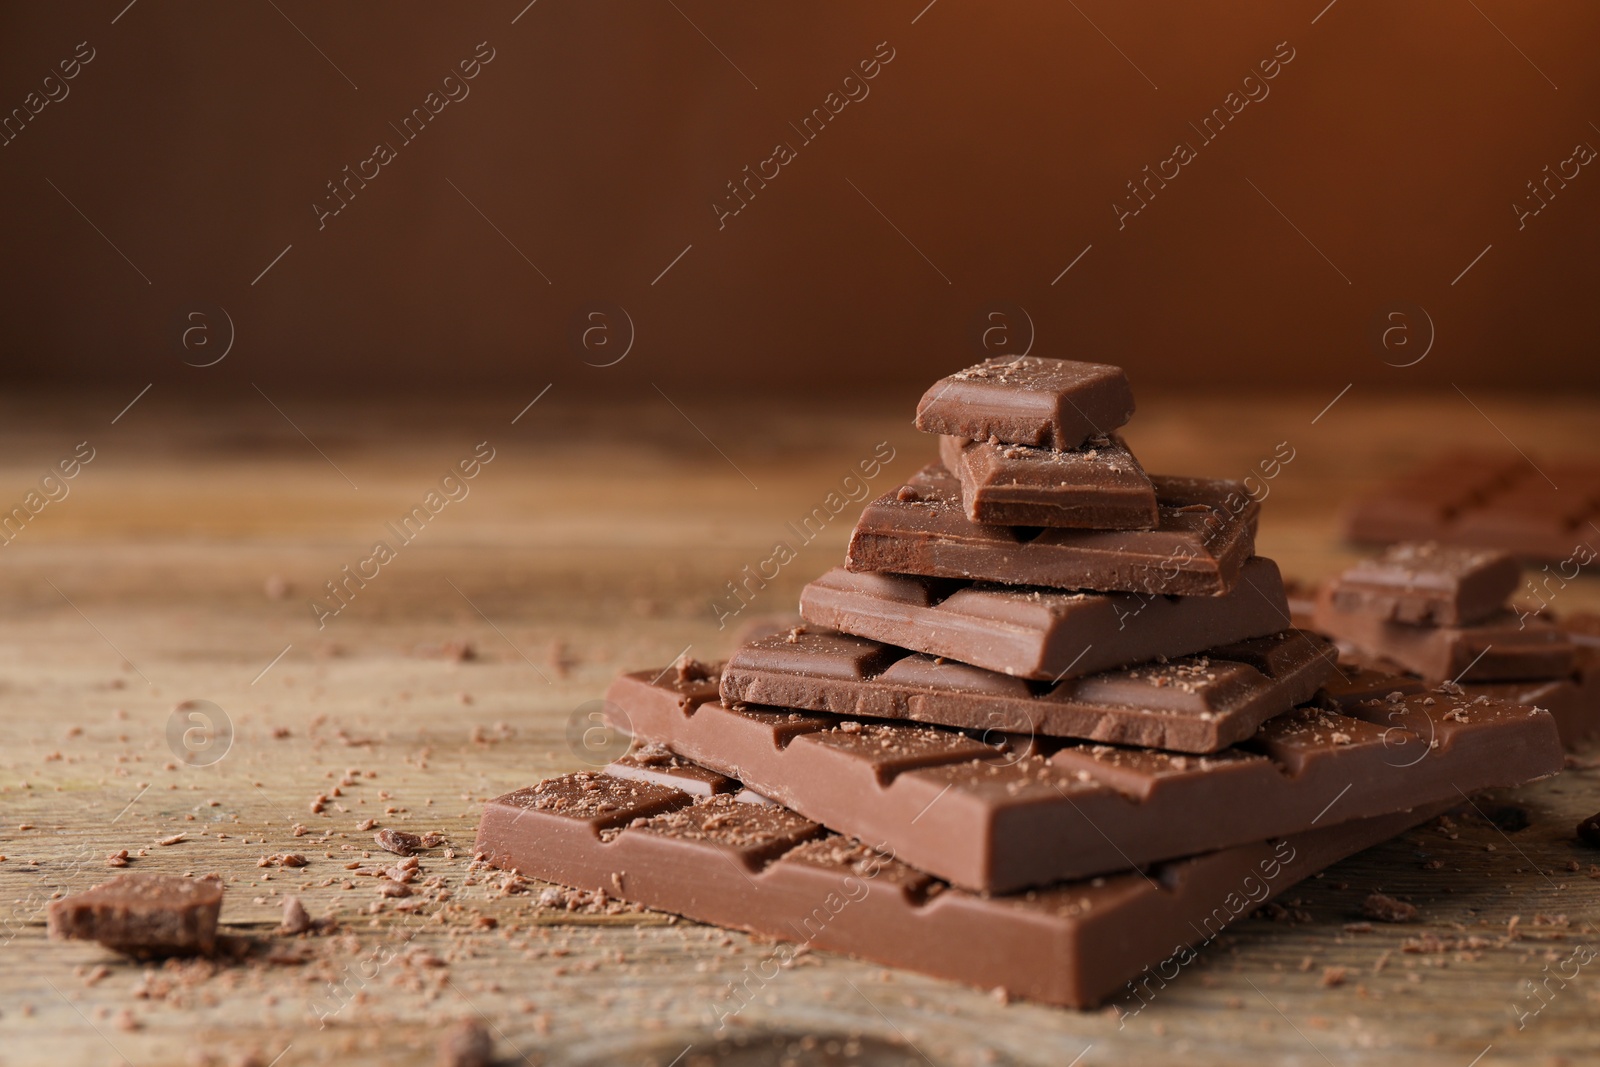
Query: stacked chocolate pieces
x=1047, y=729
x=1441, y=614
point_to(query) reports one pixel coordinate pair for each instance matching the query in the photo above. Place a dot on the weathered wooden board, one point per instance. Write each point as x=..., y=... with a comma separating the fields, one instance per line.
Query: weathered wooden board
x=600, y=536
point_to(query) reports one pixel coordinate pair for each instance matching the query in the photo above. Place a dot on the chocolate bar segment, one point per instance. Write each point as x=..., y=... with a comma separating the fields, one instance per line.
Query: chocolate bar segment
x=1001, y=812
x=1205, y=533
x=1488, y=501
x=1042, y=634
x=143, y=915
x=1028, y=400
x=1097, y=487
x=1573, y=702
x=766, y=870
x=1190, y=704
x=1500, y=648
x=1429, y=583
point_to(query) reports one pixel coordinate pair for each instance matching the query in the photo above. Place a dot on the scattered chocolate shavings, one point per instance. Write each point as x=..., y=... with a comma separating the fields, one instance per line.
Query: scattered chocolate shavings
x=1333, y=976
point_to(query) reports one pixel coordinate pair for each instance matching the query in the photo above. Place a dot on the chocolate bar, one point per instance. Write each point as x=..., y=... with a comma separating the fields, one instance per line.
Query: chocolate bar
x=1097, y=487
x=1582, y=628
x=1028, y=400
x=143, y=915
x=1429, y=583
x=773, y=872
x=1573, y=702
x=1490, y=502
x=1205, y=533
x=1503, y=647
x=1352, y=683
x=1042, y=634
x=1000, y=813
x=1191, y=704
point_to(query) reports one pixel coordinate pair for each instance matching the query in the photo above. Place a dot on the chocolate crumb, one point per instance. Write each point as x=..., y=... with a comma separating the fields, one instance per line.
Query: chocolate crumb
x=1386, y=909
x=295, y=919
x=397, y=841
x=467, y=1044
x=1589, y=831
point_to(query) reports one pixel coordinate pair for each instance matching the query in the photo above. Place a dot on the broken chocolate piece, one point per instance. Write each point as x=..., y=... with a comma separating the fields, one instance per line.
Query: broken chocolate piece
x=1191, y=704
x=1428, y=583
x=1205, y=533
x=1043, y=634
x=1028, y=400
x=143, y=915
x=1097, y=487
x=1502, y=647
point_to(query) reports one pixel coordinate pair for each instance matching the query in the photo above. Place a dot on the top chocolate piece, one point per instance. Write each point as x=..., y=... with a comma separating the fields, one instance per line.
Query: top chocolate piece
x=1027, y=400
x=1429, y=583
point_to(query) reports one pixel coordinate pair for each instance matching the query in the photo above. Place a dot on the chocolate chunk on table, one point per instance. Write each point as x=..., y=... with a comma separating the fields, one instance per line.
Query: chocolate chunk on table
x=1000, y=812
x=1205, y=533
x=772, y=872
x=1097, y=487
x=1191, y=704
x=1503, y=647
x=1429, y=583
x=1028, y=400
x=1043, y=634
x=1551, y=512
x=144, y=915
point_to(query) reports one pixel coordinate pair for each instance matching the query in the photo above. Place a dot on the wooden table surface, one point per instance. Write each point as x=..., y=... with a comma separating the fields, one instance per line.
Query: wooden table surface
x=180, y=567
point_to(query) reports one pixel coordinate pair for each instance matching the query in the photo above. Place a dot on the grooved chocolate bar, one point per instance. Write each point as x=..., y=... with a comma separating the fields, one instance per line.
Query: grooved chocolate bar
x=1097, y=487
x=1428, y=583
x=770, y=871
x=1500, y=648
x=1549, y=512
x=1015, y=812
x=1028, y=400
x=1191, y=704
x=1205, y=533
x=1043, y=634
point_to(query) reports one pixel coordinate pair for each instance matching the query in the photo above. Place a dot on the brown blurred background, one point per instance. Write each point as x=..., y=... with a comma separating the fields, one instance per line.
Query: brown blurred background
x=1375, y=173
